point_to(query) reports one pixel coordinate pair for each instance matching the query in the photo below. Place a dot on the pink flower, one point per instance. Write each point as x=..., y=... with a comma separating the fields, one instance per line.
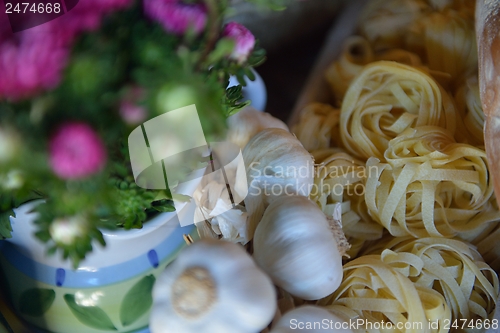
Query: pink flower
x=244, y=39
x=33, y=60
x=87, y=15
x=76, y=151
x=29, y=65
x=175, y=16
x=130, y=112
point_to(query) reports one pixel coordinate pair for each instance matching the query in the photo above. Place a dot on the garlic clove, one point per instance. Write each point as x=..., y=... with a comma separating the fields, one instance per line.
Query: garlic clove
x=294, y=245
x=276, y=165
x=248, y=122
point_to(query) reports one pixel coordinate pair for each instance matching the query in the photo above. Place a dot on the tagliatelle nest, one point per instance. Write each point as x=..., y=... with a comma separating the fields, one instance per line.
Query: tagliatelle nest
x=430, y=185
x=339, y=180
x=356, y=53
x=384, y=100
x=374, y=292
x=447, y=41
x=318, y=126
x=452, y=267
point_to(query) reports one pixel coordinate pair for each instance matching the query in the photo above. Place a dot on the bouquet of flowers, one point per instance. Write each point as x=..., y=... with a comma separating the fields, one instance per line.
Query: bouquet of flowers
x=72, y=89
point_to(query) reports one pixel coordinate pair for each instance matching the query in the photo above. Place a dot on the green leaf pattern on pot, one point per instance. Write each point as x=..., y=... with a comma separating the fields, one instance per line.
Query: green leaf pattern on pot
x=137, y=301
x=91, y=316
x=35, y=302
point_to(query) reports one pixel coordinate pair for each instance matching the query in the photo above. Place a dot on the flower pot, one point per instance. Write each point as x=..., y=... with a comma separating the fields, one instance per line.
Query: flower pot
x=111, y=289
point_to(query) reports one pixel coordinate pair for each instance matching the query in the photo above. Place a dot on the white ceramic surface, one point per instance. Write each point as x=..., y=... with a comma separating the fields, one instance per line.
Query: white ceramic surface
x=255, y=91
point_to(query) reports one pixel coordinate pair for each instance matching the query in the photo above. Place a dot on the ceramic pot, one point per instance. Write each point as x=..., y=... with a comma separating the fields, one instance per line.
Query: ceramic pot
x=111, y=289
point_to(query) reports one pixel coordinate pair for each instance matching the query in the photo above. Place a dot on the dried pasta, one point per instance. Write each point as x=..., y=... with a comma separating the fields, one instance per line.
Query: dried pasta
x=386, y=99
x=385, y=22
x=318, y=126
x=489, y=247
x=453, y=268
x=339, y=179
x=356, y=53
x=447, y=42
x=430, y=185
x=374, y=291
x=425, y=230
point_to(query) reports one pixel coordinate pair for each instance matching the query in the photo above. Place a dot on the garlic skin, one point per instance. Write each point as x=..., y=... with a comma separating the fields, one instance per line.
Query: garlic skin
x=311, y=319
x=276, y=165
x=248, y=122
x=212, y=287
x=293, y=244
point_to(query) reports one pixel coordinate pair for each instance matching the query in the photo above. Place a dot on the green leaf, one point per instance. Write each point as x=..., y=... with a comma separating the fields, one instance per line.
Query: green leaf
x=137, y=301
x=31, y=195
x=35, y=302
x=91, y=316
x=165, y=209
x=250, y=74
x=163, y=206
x=5, y=227
x=223, y=48
x=43, y=235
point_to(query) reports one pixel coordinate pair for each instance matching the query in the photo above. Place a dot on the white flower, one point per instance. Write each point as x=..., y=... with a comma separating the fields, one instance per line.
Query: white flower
x=66, y=230
x=12, y=180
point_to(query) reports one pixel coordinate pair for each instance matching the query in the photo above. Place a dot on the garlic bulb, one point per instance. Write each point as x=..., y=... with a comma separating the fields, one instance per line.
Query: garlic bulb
x=212, y=287
x=311, y=319
x=248, y=122
x=276, y=165
x=295, y=247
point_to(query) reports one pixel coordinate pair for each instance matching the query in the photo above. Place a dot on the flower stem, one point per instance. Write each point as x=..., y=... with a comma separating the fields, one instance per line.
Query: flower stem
x=214, y=28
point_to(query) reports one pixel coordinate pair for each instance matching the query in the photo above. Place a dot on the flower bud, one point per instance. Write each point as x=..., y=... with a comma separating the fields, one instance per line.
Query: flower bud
x=244, y=41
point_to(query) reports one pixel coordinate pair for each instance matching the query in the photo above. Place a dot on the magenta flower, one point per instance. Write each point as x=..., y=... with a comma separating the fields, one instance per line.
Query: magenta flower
x=76, y=151
x=33, y=60
x=176, y=16
x=244, y=39
x=87, y=15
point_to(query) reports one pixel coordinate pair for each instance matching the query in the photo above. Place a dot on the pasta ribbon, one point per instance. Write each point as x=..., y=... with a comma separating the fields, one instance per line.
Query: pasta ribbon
x=377, y=292
x=339, y=179
x=447, y=42
x=386, y=99
x=385, y=22
x=489, y=247
x=318, y=126
x=430, y=185
x=356, y=53
x=453, y=268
